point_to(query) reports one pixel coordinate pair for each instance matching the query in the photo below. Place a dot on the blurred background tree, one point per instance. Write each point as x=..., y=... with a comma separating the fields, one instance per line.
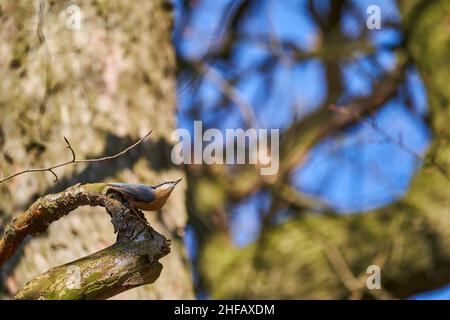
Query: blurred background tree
x=364, y=120
x=363, y=116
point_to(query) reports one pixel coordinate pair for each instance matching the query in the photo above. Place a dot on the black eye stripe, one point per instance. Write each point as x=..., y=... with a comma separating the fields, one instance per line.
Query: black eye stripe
x=159, y=185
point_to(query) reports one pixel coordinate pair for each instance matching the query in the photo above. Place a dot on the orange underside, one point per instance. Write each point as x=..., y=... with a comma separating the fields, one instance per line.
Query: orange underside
x=152, y=206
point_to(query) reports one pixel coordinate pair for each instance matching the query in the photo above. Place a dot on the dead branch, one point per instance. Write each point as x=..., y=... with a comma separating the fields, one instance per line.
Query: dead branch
x=74, y=160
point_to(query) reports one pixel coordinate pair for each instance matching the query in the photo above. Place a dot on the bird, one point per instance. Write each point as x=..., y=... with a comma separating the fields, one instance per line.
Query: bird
x=145, y=197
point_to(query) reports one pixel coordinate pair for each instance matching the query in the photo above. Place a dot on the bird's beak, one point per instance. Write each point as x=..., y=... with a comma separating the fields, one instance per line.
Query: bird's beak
x=176, y=182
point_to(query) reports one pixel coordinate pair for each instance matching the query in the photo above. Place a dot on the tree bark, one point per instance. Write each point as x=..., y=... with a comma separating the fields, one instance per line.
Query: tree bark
x=101, y=86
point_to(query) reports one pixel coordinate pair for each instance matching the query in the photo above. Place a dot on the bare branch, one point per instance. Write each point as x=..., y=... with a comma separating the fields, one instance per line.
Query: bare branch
x=297, y=141
x=74, y=160
x=232, y=93
x=398, y=142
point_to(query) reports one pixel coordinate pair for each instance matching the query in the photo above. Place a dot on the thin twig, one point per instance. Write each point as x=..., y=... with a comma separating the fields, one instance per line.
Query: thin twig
x=70, y=148
x=74, y=160
x=56, y=176
x=275, y=43
x=398, y=142
x=232, y=93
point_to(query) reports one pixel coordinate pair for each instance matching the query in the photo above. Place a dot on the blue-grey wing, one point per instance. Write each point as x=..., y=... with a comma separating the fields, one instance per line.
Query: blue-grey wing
x=139, y=192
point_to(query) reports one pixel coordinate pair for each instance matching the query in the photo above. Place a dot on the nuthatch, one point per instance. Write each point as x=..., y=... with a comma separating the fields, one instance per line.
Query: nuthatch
x=144, y=197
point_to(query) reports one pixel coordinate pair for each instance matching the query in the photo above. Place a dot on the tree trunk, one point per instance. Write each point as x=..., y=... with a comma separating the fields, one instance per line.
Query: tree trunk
x=102, y=86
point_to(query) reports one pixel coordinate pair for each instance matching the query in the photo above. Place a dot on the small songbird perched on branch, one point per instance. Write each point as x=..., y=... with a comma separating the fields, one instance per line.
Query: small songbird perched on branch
x=144, y=197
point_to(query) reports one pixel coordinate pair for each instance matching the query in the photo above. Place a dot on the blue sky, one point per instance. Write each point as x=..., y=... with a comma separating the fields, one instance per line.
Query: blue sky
x=355, y=172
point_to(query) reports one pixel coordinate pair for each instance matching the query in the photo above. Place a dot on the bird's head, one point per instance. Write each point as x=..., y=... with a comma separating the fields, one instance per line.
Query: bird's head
x=163, y=190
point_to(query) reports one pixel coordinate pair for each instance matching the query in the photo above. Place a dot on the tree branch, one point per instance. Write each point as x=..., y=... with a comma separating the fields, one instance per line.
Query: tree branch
x=302, y=135
x=231, y=92
x=130, y=262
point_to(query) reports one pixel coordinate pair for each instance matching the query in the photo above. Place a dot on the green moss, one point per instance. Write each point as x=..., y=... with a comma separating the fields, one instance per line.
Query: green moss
x=67, y=294
x=95, y=187
x=94, y=277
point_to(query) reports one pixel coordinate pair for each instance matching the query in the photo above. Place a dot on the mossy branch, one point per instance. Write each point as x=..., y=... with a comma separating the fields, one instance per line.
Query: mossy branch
x=132, y=261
